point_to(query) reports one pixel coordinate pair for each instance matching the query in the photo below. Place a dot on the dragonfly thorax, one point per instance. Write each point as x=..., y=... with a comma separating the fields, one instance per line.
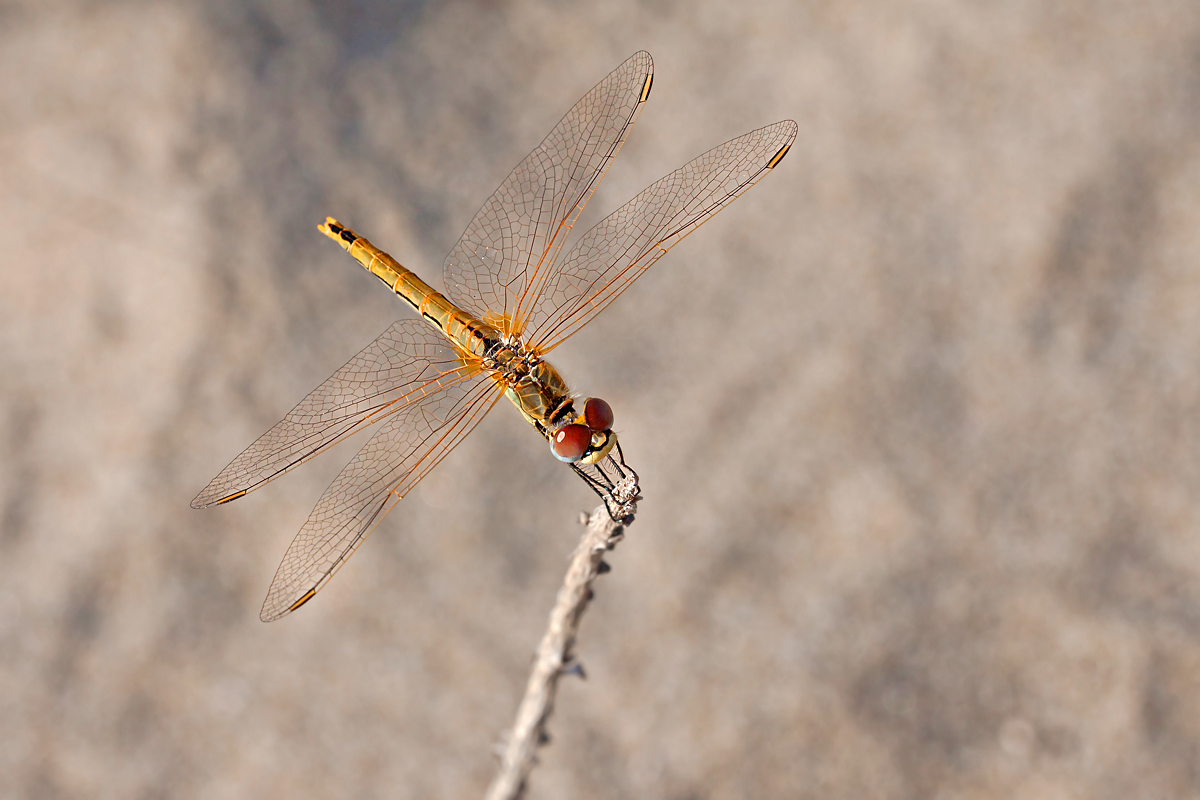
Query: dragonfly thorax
x=533, y=385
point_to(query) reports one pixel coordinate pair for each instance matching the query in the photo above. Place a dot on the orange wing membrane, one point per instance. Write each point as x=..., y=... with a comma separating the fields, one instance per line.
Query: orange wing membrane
x=508, y=301
x=499, y=266
x=408, y=363
x=408, y=445
x=624, y=244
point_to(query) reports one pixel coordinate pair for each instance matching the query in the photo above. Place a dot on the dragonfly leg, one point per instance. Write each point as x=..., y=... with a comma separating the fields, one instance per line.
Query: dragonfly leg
x=615, y=482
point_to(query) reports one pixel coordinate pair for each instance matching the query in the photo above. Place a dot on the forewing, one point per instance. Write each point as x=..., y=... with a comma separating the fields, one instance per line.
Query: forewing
x=407, y=446
x=619, y=249
x=408, y=362
x=498, y=267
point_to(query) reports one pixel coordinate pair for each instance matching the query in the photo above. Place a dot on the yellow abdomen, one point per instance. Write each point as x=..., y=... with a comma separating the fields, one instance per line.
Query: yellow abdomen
x=460, y=327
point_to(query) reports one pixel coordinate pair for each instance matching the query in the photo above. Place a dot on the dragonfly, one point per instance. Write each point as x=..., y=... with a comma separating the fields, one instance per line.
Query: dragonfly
x=511, y=296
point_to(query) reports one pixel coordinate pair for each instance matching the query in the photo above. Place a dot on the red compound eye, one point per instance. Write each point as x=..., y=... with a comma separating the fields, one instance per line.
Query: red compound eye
x=598, y=414
x=570, y=442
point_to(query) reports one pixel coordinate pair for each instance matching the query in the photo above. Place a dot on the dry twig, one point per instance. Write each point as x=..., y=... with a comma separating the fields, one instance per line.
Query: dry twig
x=554, y=656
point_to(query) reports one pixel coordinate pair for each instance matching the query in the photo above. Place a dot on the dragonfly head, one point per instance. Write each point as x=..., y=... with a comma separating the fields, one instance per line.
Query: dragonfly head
x=586, y=436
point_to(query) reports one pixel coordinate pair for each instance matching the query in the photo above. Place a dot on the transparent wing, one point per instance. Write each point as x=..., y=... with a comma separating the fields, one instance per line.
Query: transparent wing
x=500, y=264
x=409, y=444
x=619, y=249
x=408, y=362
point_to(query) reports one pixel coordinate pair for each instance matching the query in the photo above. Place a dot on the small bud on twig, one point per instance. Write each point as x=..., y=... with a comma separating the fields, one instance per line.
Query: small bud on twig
x=574, y=668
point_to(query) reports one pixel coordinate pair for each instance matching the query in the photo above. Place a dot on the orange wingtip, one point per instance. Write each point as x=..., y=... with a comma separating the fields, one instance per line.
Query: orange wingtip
x=646, y=88
x=778, y=156
x=233, y=496
x=307, y=596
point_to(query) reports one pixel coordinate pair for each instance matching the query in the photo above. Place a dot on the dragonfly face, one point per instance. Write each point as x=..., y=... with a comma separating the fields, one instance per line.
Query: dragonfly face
x=512, y=295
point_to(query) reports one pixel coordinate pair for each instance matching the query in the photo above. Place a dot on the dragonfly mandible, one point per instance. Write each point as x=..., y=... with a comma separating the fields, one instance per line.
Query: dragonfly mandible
x=511, y=297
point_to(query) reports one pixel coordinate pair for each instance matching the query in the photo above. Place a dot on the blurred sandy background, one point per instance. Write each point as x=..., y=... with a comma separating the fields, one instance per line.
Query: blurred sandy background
x=920, y=515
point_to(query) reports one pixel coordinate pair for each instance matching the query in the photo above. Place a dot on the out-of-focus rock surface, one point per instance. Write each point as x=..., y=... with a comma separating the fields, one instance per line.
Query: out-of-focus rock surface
x=918, y=419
